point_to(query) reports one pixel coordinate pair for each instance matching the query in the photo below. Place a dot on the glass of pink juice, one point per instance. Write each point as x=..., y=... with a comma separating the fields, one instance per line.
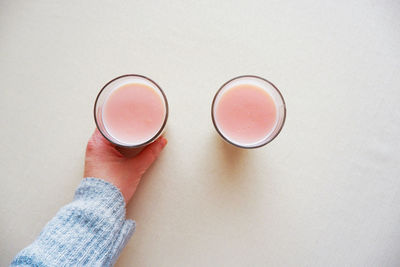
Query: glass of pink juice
x=131, y=111
x=248, y=111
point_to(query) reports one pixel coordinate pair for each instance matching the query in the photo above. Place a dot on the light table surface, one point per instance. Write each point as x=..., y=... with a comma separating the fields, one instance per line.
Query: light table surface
x=326, y=192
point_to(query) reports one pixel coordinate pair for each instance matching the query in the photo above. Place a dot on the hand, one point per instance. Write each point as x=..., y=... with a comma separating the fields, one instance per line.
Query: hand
x=104, y=161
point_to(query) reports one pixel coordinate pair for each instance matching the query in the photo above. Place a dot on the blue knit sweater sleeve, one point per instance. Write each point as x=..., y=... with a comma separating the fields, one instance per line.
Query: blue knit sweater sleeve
x=90, y=231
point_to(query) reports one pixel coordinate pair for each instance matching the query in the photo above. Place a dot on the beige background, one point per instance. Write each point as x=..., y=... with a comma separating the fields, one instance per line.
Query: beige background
x=326, y=192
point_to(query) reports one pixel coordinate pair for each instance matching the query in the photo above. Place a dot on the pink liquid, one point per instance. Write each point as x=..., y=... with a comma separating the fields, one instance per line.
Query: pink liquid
x=245, y=114
x=134, y=113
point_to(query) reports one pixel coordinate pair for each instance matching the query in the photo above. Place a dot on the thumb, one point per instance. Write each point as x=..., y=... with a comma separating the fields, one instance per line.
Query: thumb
x=149, y=154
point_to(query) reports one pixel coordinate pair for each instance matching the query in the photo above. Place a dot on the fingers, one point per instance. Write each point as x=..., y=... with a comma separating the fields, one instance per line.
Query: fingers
x=99, y=145
x=100, y=138
x=148, y=155
x=97, y=139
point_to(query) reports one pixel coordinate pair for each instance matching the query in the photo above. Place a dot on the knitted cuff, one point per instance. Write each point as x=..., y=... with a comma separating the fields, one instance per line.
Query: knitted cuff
x=104, y=193
x=90, y=231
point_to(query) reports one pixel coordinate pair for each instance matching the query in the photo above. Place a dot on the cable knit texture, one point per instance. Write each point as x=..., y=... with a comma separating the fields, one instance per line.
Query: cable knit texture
x=90, y=231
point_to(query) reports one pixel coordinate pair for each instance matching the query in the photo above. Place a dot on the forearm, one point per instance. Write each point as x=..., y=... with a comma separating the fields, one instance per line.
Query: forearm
x=91, y=230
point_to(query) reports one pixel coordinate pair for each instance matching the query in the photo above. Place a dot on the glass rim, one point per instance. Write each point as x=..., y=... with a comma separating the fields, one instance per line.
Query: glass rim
x=165, y=117
x=215, y=123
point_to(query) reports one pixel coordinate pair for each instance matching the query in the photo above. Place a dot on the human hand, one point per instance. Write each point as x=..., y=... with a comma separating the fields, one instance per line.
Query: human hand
x=104, y=161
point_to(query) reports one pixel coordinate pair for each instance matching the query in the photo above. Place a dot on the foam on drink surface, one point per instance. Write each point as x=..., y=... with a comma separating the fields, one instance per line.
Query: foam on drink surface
x=133, y=113
x=246, y=114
